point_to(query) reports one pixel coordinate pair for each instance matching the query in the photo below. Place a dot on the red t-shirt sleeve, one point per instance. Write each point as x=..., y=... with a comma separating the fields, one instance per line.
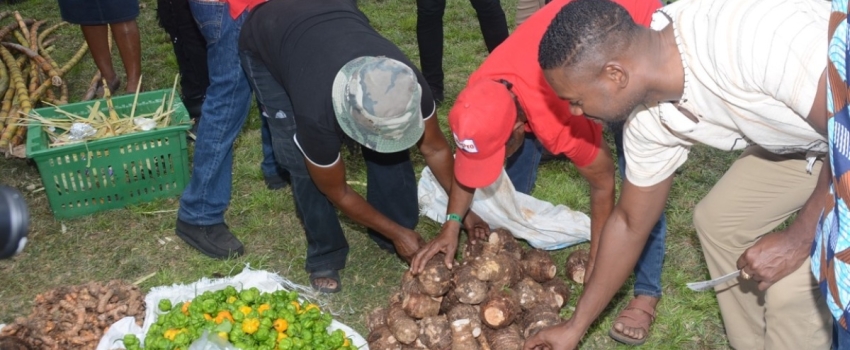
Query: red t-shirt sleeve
x=576, y=137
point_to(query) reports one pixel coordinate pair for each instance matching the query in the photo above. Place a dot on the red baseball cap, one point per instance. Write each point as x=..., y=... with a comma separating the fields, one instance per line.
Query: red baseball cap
x=482, y=120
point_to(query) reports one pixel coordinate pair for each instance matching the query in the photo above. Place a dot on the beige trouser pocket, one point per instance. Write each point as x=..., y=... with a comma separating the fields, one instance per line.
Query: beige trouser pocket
x=759, y=192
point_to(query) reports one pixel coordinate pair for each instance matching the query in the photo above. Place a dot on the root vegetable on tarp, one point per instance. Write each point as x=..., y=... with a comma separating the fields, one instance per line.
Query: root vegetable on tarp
x=536, y=319
x=538, y=265
x=507, y=338
x=403, y=327
x=435, y=332
x=559, y=290
x=435, y=279
x=463, y=337
x=468, y=288
x=381, y=338
x=500, y=309
x=576, y=265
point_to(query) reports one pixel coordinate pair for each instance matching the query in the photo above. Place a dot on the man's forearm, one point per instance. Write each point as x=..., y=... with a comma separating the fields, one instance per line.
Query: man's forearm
x=601, y=205
x=619, y=249
x=358, y=209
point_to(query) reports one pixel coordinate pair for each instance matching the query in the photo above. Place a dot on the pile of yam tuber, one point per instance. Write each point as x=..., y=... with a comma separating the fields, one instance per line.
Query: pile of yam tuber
x=28, y=75
x=74, y=317
x=497, y=297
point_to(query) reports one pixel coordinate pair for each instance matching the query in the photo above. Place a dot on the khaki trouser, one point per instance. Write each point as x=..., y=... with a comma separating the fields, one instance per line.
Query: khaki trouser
x=526, y=8
x=752, y=198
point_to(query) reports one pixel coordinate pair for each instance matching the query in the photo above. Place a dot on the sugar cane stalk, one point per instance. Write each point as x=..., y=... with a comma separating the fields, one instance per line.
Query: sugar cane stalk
x=10, y=27
x=21, y=92
x=43, y=35
x=113, y=116
x=6, y=106
x=4, y=78
x=42, y=63
x=22, y=24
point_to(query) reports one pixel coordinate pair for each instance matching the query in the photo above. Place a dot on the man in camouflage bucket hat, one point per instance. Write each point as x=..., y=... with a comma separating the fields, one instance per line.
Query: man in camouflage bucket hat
x=325, y=78
x=376, y=102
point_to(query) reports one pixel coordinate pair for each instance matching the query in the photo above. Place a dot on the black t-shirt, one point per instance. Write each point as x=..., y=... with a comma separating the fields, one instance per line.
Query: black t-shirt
x=304, y=43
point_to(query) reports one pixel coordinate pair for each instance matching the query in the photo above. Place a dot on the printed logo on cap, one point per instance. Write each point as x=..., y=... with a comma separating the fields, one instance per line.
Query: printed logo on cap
x=466, y=145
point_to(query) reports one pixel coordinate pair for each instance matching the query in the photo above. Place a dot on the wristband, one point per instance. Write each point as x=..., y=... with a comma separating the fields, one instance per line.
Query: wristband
x=454, y=217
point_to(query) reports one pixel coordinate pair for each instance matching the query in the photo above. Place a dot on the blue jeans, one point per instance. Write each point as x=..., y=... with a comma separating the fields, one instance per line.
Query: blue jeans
x=391, y=182
x=224, y=111
x=840, y=337
x=521, y=168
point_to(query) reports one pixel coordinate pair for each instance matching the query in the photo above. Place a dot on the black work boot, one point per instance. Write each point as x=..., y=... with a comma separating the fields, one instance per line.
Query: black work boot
x=215, y=241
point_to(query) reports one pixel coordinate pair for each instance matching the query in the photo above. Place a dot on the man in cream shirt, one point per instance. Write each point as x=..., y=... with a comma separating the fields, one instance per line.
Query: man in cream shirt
x=745, y=74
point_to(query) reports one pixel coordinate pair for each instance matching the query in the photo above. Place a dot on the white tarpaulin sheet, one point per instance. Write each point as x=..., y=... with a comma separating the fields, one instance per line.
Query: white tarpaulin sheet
x=265, y=281
x=542, y=224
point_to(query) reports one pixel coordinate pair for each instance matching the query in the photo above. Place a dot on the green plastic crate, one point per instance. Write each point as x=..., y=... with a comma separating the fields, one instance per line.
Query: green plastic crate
x=110, y=173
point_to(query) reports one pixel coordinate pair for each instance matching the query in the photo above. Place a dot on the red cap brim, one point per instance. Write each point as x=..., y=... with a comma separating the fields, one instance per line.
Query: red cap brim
x=478, y=173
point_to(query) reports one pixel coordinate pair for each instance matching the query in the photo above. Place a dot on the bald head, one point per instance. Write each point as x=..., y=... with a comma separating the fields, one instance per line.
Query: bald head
x=586, y=30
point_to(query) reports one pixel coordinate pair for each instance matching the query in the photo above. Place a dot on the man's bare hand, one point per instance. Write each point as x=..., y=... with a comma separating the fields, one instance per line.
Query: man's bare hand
x=775, y=256
x=408, y=244
x=558, y=337
x=445, y=242
x=475, y=227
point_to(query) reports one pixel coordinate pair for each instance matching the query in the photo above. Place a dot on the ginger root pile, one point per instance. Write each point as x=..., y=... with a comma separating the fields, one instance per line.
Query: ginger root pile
x=74, y=317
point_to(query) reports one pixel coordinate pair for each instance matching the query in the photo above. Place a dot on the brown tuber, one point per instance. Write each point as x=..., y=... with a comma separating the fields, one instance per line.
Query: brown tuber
x=403, y=328
x=538, y=265
x=559, y=290
x=501, y=269
x=500, y=309
x=538, y=318
x=419, y=306
x=468, y=288
x=462, y=335
x=529, y=293
x=466, y=312
x=507, y=338
x=577, y=265
x=435, y=333
x=376, y=318
x=435, y=280
x=509, y=243
x=382, y=339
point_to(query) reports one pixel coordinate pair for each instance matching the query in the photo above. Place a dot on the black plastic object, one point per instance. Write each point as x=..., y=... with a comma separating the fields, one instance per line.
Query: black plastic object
x=14, y=222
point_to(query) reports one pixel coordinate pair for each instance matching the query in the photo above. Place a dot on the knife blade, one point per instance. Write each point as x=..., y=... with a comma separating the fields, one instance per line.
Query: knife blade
x=706, y=285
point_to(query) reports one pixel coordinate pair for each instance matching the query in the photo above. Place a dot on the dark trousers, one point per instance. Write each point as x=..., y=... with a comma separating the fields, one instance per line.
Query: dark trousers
x=391, y=182
x=429, y=35
x=190, y=49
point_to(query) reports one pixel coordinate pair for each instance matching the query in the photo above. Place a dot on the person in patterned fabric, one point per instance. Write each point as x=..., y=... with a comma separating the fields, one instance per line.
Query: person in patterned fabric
x=831, y=250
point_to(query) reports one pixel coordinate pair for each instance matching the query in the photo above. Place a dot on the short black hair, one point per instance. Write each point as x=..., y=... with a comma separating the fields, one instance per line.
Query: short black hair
x=583, y=28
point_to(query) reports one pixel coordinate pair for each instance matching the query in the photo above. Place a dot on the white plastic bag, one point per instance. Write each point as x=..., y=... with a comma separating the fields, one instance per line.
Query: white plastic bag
x=542, y=224
x=265, y=281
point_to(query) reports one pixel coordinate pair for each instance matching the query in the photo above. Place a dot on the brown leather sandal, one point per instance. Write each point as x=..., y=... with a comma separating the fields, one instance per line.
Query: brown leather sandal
x=636, y=315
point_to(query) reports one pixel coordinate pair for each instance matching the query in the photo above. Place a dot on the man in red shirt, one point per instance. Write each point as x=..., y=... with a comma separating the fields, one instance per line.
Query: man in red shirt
x=509, y=110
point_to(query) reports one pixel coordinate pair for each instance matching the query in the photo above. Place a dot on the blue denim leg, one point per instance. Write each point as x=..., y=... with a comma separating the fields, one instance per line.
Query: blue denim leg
x=326, y=244
x=224, y=111
x=648, y=268
x=840, y=337
x=521, y=166
x=268, y=165
x=391, y=190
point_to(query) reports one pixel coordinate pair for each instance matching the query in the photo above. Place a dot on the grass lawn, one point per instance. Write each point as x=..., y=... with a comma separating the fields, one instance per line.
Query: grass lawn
x=139, y=241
